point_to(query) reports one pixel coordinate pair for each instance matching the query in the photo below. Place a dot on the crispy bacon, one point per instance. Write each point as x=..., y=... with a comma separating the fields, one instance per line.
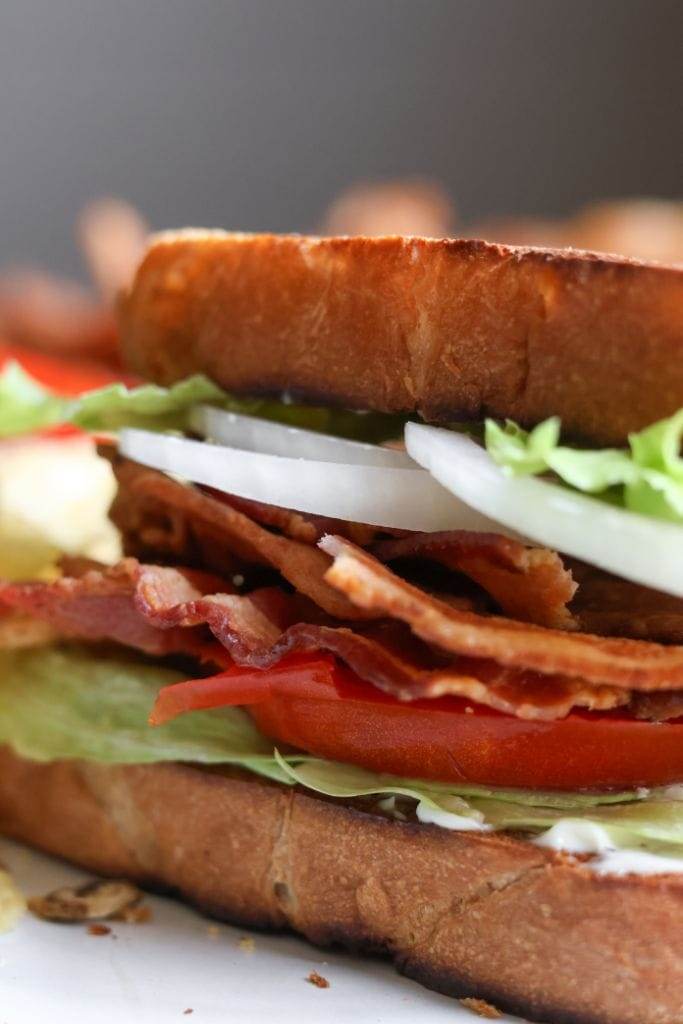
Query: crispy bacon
x=628, y=664
x=528, y=583
x=658, y=707
x=162, y=610
x=301, y=526
x=610, y=606
x=159, y=517
x=403, y=667
x=304, y=566
x=385, y=654
x=400, y=665
x=18, y=630
x=100, y=605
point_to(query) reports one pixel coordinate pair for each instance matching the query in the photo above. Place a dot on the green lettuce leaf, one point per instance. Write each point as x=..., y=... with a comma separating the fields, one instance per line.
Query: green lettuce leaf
x=519, y=451
x=653, y=820
x=646, y=478
x=345, y=780
x=633, y=820
x=69, y=702
x=75, y=702
x=149, y=406
x=25, y=405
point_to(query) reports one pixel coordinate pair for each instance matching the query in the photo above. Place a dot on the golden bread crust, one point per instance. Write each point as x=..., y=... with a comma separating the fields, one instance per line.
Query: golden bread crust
x=468, y=914
x=453, y=329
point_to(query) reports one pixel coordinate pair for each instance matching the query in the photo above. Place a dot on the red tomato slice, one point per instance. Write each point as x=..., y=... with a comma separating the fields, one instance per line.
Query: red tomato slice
x=316, y=705
x=64, y=376
x=238, y=686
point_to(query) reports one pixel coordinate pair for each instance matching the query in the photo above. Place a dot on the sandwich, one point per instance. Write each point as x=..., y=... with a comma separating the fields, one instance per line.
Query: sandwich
x=393, y=652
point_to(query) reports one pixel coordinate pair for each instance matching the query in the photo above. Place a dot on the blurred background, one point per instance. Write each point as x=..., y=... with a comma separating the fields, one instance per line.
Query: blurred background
x=503, y=118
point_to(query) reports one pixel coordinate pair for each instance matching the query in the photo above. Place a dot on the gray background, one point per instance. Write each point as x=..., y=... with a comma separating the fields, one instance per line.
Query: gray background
x=254, y=113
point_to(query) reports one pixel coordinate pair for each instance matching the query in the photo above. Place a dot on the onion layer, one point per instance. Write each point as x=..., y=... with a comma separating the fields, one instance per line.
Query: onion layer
x=401, y=498
x=258, y=435
x=644, y=550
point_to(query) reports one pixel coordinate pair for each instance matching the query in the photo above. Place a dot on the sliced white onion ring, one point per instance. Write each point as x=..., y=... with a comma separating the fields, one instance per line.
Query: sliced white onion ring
x=258, y=435
x=406, y=499
x=648, y=551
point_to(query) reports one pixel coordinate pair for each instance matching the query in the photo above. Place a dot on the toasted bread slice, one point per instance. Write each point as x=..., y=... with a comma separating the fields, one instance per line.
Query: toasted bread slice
x=450, y=329
x=468, y=914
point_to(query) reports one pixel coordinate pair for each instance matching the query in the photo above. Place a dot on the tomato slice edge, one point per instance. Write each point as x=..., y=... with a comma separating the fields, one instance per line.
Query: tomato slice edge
x=313, y=703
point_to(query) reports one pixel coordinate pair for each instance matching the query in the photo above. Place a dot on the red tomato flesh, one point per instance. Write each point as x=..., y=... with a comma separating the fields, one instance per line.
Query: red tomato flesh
x=318, y=706
x=238, y=686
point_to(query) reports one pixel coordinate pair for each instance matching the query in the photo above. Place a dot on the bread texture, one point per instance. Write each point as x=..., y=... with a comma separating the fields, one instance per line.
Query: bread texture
x=451, y=329
x=467, y=914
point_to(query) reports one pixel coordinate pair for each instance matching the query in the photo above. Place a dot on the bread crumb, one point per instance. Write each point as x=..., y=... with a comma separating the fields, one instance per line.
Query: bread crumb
x=213, y=931
x=134, y=915
x=481, y=1008
x=98, y=929
x=188, y=1010
x=104, y=898
x=317, y=979
x=247, y=944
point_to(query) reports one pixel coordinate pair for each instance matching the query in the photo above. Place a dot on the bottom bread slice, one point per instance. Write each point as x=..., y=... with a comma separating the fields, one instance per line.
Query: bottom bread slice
x=468, y=914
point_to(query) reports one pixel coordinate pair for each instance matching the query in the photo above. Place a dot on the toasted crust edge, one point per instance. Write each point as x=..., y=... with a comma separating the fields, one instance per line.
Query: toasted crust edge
x=450, y=328
x=464, y=913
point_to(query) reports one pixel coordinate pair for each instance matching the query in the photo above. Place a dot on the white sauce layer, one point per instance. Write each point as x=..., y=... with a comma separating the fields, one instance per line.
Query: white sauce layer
x=573, y=835
x=445, y=819
x=634, y=862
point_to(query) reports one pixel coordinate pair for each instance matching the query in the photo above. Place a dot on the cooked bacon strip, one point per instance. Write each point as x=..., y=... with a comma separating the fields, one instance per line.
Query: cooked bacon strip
x=528, y=583
x=298, y=525
x=658, y=707
x=161, y=518
x=260, y=629
x=156, y=610
x=101, y=604
x=17, y=630
x=628, y=664
x=300, y=564
x=409, y=670
x=610, y=606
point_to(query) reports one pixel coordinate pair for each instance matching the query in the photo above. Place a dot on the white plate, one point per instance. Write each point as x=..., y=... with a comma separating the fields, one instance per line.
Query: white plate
x=151, y=973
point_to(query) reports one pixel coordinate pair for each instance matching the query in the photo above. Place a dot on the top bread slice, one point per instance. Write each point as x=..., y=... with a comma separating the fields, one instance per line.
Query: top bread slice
x=451, y=329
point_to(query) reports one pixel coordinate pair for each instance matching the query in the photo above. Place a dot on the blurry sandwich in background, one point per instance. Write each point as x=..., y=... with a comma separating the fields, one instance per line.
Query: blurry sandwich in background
x=643, y=229
x=41, y=311
x=646, y=229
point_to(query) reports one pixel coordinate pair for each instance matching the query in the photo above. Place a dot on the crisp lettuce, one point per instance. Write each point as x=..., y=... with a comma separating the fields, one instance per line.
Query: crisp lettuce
x=654, y=819
x=344, y=780
x=75, y=702
x=633, y=820
x=347, y=780
x=69, y=702
x=26, y=405
x=646, y=478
